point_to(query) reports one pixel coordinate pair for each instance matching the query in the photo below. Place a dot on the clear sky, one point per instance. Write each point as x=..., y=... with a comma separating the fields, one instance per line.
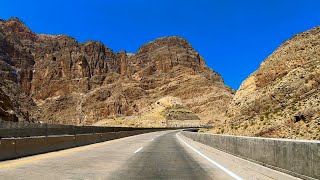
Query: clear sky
x=234, y=36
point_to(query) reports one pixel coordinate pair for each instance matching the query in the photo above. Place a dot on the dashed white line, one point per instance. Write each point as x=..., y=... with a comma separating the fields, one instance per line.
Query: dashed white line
x=212, y=161
x=138, y=150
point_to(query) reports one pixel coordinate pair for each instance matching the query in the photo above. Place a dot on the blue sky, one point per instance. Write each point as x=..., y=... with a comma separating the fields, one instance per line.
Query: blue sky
x=234, y=37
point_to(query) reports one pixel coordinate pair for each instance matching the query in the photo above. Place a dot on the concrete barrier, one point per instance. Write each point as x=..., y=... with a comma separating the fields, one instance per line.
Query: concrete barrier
x=296, y=157
x=108, y=136
x=121, y=134
x=7, y=149
x=29, y=146
x=55, y=143
x=21, y=129
x=20, y=147
x=85, y=139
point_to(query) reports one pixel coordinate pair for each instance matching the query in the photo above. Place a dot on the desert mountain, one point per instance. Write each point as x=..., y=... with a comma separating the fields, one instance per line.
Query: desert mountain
x=166, y=112
x=281, y=98
x=56, y=79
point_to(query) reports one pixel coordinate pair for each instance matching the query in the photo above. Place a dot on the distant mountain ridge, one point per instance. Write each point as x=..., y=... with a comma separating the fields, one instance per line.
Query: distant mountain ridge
x=55, y=79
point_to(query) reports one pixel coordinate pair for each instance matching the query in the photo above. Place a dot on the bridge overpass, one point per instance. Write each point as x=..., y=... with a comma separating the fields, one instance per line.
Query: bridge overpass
x=168, y=154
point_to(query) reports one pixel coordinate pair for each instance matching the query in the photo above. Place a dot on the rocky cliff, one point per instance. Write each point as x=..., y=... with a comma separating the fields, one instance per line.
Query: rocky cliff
x=56, y=79
x=166, y=112
x=282, y=98
x=15, y=70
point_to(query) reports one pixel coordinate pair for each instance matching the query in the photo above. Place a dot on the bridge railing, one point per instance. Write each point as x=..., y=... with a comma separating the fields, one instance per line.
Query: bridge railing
x=26, y=129
x=300, y=158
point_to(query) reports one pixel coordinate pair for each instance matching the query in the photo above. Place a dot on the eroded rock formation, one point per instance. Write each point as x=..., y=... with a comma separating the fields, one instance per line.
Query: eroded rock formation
x=282, y=98
x=82, y=83
x=168, y=111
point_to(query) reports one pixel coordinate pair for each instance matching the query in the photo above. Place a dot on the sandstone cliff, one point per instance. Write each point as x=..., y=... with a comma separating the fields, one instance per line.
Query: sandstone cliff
x=166, y=112
x=82, y=83
x=282, y=98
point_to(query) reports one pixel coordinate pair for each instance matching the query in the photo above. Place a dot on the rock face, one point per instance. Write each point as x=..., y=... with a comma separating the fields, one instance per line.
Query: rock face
x=56, y=79
x=16, y=65
x=166, y=112
x=282, y=98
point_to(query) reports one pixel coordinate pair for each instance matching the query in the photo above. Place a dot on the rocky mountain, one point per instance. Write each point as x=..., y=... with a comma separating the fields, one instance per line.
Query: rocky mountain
x=167, y=111
x=15, y=68
x=281, y=98
x=56, y=79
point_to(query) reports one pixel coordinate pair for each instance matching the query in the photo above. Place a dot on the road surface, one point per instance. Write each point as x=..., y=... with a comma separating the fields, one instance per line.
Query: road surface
x=158, y=155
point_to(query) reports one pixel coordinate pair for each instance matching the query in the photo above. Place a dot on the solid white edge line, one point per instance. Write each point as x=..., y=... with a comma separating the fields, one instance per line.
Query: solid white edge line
x=212, y=161
x=138, y=150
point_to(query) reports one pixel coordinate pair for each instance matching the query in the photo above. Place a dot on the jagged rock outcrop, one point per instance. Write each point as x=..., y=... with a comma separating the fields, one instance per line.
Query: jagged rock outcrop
x=163, y=54
x=15, y=70
x=82, y=83
x=282, y=98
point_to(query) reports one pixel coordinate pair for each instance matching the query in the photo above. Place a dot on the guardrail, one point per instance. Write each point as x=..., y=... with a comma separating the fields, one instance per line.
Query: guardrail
x=11, y=148
x=300, y=158
x=25, y=129
x=19, y=139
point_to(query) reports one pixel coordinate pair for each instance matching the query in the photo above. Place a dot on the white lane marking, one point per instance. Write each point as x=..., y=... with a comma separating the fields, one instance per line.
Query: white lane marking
x=212, y=161
x=152, y=139
x=138, y=150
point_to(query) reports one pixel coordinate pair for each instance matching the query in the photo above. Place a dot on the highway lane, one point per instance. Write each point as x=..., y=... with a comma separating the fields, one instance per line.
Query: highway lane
x=158, y=155
x=164, y=158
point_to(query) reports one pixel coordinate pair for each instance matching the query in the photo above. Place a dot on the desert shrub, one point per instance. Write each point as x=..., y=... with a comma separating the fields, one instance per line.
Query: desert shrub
x=266, y=114
x=222, y=130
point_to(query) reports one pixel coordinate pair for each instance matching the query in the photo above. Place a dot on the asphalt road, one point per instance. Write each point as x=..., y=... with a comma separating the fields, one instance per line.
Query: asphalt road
x=158, y=155
x=164, y=158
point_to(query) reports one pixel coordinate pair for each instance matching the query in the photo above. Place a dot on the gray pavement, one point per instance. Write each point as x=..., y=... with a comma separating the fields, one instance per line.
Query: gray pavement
x=158, y=155
x=164, y=158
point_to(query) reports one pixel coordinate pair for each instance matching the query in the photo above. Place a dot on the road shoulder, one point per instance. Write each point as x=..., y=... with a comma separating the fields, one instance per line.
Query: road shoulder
x=241, y=167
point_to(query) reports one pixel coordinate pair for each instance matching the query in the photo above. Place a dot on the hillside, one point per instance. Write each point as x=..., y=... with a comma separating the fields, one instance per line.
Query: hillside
x=281, y=98
x=56, y=79
x=167, y=111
